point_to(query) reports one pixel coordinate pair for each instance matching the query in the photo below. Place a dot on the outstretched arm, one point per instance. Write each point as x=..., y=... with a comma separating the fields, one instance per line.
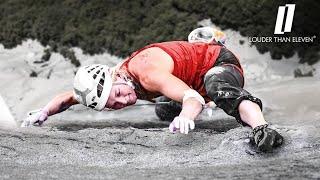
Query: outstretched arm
x=58, y=104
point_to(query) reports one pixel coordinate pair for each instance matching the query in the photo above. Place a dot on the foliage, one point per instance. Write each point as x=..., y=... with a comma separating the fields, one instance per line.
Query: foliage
x=46, y=56
x=122, y=26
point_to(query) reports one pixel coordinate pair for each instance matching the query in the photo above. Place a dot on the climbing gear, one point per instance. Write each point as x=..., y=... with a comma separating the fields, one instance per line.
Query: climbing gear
x=265, y=138
x=207, y=35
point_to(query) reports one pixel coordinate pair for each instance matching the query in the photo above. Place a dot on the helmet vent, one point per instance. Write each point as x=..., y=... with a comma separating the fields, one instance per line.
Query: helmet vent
x=93, y=105
x=99, y=90
x=94, y=76
x=101, y=82
x=100, y=87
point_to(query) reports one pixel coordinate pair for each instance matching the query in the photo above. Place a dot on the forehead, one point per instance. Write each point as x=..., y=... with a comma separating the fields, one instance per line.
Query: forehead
x=116, y=86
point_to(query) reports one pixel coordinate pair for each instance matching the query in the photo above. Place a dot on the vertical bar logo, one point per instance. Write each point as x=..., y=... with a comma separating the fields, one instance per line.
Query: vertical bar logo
x=285, y=14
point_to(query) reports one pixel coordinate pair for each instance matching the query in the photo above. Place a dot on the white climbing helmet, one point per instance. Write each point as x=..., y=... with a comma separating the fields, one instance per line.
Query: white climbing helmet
x=207, y=35
x=92, y=85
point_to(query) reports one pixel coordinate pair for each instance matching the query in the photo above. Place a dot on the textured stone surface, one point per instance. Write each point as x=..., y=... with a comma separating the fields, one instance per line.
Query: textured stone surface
x=133, y=144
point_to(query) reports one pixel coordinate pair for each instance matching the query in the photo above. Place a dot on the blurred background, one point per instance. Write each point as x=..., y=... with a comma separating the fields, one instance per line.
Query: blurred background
x=121, y=27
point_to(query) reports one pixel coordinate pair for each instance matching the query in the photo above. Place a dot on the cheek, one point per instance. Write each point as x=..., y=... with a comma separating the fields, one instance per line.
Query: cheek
x=131, y=91
x=110, y=99
x=108, y=104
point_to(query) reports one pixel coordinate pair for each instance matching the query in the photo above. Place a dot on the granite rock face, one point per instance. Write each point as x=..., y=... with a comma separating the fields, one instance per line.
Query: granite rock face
x=136, y=144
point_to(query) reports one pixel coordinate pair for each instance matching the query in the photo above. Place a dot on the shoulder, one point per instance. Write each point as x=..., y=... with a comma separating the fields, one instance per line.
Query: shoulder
x=149, y=60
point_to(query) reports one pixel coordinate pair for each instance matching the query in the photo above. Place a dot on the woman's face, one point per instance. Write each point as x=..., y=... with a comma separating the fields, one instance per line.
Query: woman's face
x=121, y=95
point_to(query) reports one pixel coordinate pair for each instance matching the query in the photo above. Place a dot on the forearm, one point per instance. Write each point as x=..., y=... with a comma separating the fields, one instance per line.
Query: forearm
x=56, y=105
x=60, y=103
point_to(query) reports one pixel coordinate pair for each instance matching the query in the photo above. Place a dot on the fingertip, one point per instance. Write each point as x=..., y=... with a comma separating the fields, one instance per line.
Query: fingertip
x=186, y=128
x=171, y=127
x=178, y=125
x=182, y=130
x=23, y=124
x=192, y=126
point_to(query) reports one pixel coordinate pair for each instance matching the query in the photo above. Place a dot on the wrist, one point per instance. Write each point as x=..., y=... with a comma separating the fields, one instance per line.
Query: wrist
x=186, y=116
x=45, y=110
x=190, y=109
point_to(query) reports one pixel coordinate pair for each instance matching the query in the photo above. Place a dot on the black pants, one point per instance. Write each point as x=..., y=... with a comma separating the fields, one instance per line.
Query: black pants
x=224, y=85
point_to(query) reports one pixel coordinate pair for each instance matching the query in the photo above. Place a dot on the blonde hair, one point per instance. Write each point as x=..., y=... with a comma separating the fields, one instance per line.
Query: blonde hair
x=116, y=71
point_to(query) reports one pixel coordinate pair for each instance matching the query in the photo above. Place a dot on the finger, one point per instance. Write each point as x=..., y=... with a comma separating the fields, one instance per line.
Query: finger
x=25, y=123
x=43, y=117
x=192, y=125
x=172, y=129
x=176, y=123
x=209, y=112
x=186, y=128
x=40, y=122
x=181, y=126
x=34, y=118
